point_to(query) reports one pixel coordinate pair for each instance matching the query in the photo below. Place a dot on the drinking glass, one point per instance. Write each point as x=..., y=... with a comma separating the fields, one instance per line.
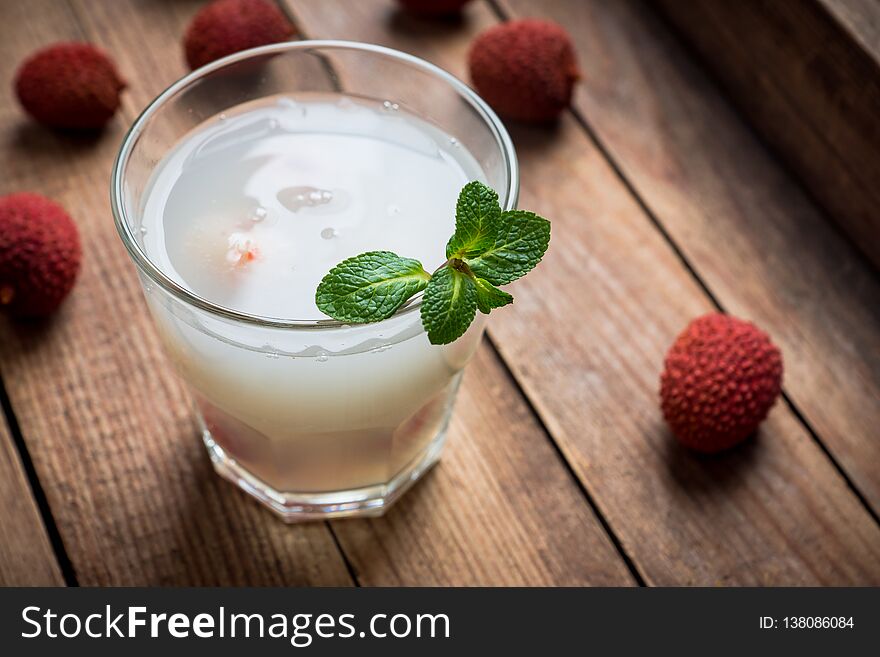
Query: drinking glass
x=313, y=417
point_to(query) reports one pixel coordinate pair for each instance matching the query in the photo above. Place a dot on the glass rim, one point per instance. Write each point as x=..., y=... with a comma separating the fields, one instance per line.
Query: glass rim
x=155, y=273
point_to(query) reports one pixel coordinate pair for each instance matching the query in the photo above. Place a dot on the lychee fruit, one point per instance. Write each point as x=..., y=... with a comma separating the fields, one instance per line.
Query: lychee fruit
x=525, y=69
x=69, y=85
x=721, y=377
x=434, y=7
x=40, y=255
x=228, y=26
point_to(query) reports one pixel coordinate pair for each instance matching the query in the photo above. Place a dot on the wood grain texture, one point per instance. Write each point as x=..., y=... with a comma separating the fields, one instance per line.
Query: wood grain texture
x=811, y=86
x=764, y=250
x=586, y=339
x=475, y=516
x=861, y=19
x=26, y=556
x=106, y=422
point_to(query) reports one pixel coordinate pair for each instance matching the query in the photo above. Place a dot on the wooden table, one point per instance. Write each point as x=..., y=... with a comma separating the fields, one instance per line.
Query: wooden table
x=559, y=468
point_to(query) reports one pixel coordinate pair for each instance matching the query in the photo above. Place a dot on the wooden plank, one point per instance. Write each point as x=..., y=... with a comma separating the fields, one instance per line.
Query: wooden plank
x=861, y=19
x=763, y=249
x=587, y=338
x=104, y=418
x=807, y=74
x=26, y=556
x=459, y=515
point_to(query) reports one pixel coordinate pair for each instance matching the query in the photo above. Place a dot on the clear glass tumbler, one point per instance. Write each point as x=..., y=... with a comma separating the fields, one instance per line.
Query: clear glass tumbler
x=314, y=418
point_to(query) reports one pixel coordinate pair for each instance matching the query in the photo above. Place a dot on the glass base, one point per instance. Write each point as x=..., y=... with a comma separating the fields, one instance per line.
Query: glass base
x=371, y=501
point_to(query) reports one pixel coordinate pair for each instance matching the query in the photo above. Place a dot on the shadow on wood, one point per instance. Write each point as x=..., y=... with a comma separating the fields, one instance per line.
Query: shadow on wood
x=709, y=474
x=411, y=24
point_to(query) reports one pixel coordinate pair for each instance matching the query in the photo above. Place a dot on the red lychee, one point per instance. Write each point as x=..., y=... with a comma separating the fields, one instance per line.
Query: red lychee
x=227, y=26
x=40, y=255
x=525, y=69
x=434, y=7
x=69, y=85
x=722, y=375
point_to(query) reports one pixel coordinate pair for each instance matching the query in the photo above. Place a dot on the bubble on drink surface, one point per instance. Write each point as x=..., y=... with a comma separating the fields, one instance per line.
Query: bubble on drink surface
x=347, y=104
x=143, y=230
x=389, y=106
x=290, y=104
x=259, y=214
x=222, y=116
x=322, y=356
x=303, y=196
x=454, y=142
x=328, y=233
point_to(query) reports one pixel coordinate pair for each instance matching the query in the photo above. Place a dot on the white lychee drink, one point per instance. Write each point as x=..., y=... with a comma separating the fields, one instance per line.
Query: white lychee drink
x=249, y=211
x=237, y=190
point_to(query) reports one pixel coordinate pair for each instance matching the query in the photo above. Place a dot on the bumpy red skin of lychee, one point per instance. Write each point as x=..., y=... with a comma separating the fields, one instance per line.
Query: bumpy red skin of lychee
x=228, y=26
x=70, y=86
x=40, y=255
x=434, y=7
x=525, y=69
x=722, y=375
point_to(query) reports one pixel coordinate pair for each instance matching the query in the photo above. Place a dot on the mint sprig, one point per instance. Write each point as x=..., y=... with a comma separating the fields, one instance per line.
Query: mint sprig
x=489, y=248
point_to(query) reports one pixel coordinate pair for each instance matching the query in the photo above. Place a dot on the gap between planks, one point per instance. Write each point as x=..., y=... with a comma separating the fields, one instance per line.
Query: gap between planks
x=588, y=497
x=34, y=554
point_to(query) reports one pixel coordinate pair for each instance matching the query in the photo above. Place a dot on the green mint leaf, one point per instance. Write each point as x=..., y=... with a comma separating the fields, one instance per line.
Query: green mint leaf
x=520, y=241
x=489, y=248
x=476, y=213
x=370, y=287
x=489, y=296
x=449, y=305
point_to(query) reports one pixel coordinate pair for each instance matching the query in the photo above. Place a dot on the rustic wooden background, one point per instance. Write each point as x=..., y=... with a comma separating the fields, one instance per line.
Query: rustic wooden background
x=559, y=470
x=807, y=75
